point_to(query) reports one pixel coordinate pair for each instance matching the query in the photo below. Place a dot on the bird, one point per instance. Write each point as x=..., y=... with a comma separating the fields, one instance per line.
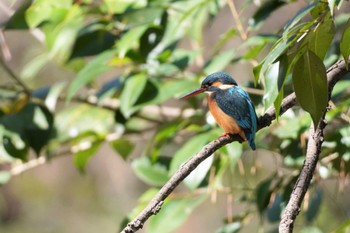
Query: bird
x=230, y=106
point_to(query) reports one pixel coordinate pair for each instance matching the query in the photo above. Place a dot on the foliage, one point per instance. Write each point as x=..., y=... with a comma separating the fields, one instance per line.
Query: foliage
x=139, y=46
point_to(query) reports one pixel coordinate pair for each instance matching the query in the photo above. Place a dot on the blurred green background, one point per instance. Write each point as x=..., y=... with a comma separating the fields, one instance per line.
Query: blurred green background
x=89, y=89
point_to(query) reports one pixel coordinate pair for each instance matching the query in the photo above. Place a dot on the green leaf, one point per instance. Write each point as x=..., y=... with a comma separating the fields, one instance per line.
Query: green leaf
x=32, y=68
x=133, y=88
x=190, y=10
x=118, y=7
x=81, y=157
x=148, y=94
x=34, y=124
x=274, y=211
x=341, y=86
x=5, y=176
x=255, y=44
x=219, y=62
x=152, y=174
x=61, y=37
x=46, y=10
x=271, y=85
x=224, y=38
x=310, y=85
x=274, y=83
x=90, y=72
x=38, y=13
x=260, y=39
x=264, y=12
x=163, y=135
x=311, y=229
x=93, y=39
x=123, y=147
x=320, y=39
x=146, y=15
x=290, y=128
x=278, y=102
x=314, y=206
x=283, y=71
x=174, y=89
x=15, y=150
x=194, y=179
x=174, y=213
x=263, y=194
x=130, y=40
x=53, y=95
x=18, y=21
x=343, y=228
x=257, y=72
x=276, y=51
x=142, y=202
x=299, y=16
x=230, y=228
x=190, y=148
x=199, y=18
x=39, y=134
x=147, y=44
x=234, y=152
x=345, y=136
x=75, y=120
x=180, y=58
x=60, y=21
x=320, y=8
x=344, y=43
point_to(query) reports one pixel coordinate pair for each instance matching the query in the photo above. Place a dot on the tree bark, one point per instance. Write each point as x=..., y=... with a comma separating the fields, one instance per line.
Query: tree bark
x=334, y=74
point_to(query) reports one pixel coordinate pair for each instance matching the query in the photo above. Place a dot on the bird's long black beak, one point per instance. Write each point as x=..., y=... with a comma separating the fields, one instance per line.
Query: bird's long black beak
x=193, y=93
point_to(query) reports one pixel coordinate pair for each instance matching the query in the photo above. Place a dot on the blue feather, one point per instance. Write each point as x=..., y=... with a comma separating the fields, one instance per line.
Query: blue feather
x=236, y=103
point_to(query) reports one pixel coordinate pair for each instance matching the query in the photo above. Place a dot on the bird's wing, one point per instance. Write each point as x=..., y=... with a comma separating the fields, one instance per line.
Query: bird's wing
x=236, y=103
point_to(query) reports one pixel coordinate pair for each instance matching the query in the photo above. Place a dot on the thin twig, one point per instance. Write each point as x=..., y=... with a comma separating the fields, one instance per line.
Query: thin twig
x=336, y=72
x=19, y=169
x=4, y=49
x=14, y=77
x=237, y=20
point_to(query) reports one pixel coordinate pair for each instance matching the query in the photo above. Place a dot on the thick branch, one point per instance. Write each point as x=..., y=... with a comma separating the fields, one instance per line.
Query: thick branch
x=301, y=186
x=336, y=72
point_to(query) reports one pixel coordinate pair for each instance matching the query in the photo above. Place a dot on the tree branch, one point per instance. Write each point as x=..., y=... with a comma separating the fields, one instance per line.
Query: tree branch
x=301, y=186
x=15, y=78
x=336, y=72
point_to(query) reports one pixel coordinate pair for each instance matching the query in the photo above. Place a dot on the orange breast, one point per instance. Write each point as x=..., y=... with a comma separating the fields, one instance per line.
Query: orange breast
x=227, y=123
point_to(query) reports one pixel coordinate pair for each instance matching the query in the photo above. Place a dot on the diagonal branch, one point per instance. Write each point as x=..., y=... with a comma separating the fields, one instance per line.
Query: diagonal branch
x=334, y=74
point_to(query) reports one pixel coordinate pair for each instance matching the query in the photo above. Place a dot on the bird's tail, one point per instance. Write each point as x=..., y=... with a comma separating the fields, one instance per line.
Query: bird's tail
x=250, y=139
x=252, y=144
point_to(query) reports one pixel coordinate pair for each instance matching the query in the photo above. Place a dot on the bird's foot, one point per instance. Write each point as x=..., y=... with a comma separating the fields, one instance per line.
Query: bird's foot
x=227, y=135
x=233, y=136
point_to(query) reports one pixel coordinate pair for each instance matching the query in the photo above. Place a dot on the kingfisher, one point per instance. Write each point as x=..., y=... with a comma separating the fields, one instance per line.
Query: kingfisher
x=230, y=105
